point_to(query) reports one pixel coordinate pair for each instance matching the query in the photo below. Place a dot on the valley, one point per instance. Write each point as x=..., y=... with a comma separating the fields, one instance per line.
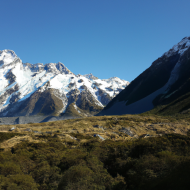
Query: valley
x=145, y=151
x=61, y=131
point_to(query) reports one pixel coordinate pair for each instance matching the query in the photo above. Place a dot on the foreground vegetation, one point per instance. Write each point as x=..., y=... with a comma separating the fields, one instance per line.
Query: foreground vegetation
x=70, y=157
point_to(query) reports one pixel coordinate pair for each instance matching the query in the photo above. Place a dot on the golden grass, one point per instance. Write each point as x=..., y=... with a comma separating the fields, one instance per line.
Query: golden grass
x=15, y=140
x=109, y=127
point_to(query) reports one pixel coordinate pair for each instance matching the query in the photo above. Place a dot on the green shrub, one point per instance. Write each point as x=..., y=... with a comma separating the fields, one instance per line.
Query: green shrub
x=148, y=163
x=18, y=182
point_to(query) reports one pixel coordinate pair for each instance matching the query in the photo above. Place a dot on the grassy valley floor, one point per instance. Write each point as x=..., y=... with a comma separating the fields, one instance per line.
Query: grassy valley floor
x=103, y=152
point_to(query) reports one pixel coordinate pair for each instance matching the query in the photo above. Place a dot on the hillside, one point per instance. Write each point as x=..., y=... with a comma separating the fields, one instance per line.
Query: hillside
x=165, y=81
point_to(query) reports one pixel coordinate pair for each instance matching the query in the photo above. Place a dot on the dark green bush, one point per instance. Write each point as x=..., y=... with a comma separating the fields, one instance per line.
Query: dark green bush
x=149, y=163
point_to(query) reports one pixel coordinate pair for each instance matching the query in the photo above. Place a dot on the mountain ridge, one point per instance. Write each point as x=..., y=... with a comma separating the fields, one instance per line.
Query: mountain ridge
x=19, y=82
x=156, y=84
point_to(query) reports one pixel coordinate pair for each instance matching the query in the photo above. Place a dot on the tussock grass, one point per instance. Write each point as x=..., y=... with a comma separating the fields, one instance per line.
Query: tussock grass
x=7, y=144
x=109, y=127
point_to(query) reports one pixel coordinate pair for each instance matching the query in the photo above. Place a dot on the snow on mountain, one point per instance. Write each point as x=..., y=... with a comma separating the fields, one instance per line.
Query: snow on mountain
x=7, y=56
x=180, y=48
x=21, y=83
x=90, y=76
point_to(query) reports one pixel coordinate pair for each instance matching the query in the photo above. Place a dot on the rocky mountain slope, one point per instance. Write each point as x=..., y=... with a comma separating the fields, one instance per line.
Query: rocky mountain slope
x=51, y=89
x=165, y=82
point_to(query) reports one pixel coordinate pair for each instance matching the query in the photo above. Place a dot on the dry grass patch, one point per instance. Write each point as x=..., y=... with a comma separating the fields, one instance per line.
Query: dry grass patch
x=109, y=127
x=7, y=144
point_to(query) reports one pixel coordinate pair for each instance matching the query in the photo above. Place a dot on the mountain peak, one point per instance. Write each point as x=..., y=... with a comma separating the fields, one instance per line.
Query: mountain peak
x=62, y=68
x=115, y=80
x=180, y=48
x=8, y=51
x=90, y=76
x=29, y=89
x=165, y=83
x=7, y=57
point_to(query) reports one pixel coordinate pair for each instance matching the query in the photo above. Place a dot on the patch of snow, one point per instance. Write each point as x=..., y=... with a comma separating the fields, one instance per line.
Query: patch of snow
x=33, y=84
x=173, y=76
x=60, y=81
x=181, y=47
x=171, y=94
x=76, y=108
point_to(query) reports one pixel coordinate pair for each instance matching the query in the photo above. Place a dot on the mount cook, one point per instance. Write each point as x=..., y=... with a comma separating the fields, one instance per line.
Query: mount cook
x=51, y=89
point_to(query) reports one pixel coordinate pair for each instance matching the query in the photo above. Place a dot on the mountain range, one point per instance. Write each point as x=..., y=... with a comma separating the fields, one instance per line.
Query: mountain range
x=164, y=87
x=51, y=89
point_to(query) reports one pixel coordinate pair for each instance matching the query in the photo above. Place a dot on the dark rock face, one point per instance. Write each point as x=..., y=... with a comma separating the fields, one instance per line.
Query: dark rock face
x=15, y=96
x=72, y=96
x=8, y=93
x=80, y=81
x=38, y=67
x=105, y=98
x=86, y=101
x=181, y=86
x=146, y=83
x=45, y=103
x=51, y=68
x=10, y=77
x=71, y=85
x=61, y=67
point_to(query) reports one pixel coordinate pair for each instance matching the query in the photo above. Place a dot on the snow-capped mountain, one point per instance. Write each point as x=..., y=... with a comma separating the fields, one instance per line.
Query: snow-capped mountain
x=165, y=81
x=30, y=89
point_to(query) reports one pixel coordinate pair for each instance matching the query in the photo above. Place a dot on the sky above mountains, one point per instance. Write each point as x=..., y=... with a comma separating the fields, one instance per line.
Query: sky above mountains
x=104, y=37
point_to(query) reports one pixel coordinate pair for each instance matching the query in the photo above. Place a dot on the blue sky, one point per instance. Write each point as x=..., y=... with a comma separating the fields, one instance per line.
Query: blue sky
x=104, y=37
